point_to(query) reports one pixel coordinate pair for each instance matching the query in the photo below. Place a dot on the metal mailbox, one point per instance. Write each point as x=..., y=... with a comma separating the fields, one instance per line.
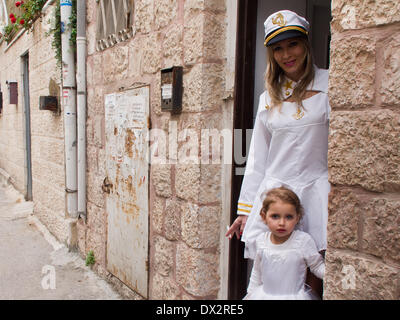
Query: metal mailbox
x=171, y=90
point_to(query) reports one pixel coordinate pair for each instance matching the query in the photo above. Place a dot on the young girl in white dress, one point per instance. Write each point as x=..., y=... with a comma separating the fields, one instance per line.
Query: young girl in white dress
x=283, y=253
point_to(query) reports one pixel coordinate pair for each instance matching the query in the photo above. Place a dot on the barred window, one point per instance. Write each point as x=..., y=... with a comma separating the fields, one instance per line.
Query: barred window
x=3, y=16
x=114, y=22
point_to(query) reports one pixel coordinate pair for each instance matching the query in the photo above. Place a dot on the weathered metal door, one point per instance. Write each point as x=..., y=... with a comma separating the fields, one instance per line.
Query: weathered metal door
x=126, y=185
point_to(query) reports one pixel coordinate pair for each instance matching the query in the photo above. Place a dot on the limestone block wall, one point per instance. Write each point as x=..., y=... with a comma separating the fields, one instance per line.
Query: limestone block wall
x=363, y=260
x=47, y=133
x=185, y=198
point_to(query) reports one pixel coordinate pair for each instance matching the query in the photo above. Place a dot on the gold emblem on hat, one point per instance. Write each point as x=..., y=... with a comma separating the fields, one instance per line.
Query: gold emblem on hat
x=279, y=19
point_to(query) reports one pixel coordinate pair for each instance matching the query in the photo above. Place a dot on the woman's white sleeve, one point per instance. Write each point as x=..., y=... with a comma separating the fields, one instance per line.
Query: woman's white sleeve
x=255, y=278
x=256, y=161
x=313, y=258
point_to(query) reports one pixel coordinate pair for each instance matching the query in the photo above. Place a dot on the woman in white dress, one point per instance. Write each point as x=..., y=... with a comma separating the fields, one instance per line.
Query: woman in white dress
x=282, y=253
x=289, y=145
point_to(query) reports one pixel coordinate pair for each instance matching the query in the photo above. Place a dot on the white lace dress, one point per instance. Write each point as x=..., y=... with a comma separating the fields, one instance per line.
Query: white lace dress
x=279, y=271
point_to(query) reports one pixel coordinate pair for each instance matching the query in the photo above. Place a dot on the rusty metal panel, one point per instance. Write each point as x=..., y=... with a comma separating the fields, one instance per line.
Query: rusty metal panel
x=127, y=167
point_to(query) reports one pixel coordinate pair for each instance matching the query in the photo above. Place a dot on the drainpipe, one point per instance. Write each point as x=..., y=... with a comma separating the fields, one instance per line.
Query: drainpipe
x=81, y=86
x=69, y=101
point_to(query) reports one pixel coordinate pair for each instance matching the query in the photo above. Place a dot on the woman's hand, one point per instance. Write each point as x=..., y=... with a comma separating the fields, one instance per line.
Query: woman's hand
x=237, y=227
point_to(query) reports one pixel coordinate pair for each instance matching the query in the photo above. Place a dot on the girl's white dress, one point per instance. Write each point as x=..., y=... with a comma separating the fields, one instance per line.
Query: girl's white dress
x=289, y=148
x=279, y=271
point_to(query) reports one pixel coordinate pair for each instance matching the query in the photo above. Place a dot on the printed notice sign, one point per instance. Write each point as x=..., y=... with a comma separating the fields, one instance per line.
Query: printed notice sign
x=128, y=108
x=166, y=91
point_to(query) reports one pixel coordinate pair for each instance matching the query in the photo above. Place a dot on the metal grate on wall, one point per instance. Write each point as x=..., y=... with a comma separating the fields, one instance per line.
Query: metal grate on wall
x=114, y=22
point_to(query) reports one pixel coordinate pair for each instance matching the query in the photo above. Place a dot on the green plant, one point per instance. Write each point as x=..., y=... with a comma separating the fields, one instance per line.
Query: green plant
x=90, y=260
x=9, y=32
x=31, y=10
x=55, y=30
x=25, y=15
x=72, y=25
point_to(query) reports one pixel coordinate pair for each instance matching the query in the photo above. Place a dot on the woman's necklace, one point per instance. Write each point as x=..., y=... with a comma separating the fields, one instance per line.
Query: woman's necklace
x=287, y=91
x=299, y=113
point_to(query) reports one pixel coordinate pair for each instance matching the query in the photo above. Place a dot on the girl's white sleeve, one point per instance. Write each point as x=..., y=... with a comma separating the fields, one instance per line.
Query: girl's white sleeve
x=313, y=258
x=255, y=278
x=256, y=160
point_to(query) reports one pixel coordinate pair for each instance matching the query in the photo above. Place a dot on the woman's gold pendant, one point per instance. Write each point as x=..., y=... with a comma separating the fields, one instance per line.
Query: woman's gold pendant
x=299, y=114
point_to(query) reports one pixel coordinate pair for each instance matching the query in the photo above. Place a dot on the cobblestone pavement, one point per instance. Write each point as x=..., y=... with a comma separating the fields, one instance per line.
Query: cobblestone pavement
x=33, y=265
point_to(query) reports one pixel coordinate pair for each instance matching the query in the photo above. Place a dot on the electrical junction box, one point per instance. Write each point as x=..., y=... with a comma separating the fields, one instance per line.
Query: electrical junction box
x=48, y=103
x=171, y=90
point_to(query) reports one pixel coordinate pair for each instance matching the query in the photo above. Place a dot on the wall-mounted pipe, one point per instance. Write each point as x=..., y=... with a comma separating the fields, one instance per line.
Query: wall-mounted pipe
x=81, y=104
x=69, y=102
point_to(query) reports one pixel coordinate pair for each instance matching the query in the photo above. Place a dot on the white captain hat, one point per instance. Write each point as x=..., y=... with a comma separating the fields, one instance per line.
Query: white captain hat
x=283, y=25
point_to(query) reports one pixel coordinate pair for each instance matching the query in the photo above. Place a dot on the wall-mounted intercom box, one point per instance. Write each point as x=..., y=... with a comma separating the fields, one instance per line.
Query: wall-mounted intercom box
x=171, y=90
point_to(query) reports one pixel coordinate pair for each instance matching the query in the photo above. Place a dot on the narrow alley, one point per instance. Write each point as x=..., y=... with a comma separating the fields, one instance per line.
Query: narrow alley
x=34, y=265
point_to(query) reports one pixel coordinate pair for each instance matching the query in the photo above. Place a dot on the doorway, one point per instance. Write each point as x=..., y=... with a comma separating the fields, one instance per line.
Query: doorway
x=249, y=84
x=27, y=127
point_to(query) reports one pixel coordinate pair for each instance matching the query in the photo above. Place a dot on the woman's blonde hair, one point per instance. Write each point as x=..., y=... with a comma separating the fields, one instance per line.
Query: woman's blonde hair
x=281, y=194
x=274, y=77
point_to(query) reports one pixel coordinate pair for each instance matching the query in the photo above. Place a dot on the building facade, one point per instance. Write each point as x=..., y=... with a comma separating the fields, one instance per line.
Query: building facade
x=32, y=140
x=161, y=184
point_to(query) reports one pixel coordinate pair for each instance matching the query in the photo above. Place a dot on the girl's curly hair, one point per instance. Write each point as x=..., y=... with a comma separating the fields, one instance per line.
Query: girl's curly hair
x=281, y=194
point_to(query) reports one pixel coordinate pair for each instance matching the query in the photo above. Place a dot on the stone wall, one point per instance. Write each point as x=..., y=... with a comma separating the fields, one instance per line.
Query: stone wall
x=47, y=133
x=363, y=260
x=185, y=198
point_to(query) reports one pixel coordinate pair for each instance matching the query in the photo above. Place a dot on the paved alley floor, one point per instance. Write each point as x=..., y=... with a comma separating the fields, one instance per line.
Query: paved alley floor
x=33, y=265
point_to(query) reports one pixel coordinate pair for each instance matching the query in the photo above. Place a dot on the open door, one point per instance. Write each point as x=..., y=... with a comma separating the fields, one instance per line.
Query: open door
x=249, y=84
